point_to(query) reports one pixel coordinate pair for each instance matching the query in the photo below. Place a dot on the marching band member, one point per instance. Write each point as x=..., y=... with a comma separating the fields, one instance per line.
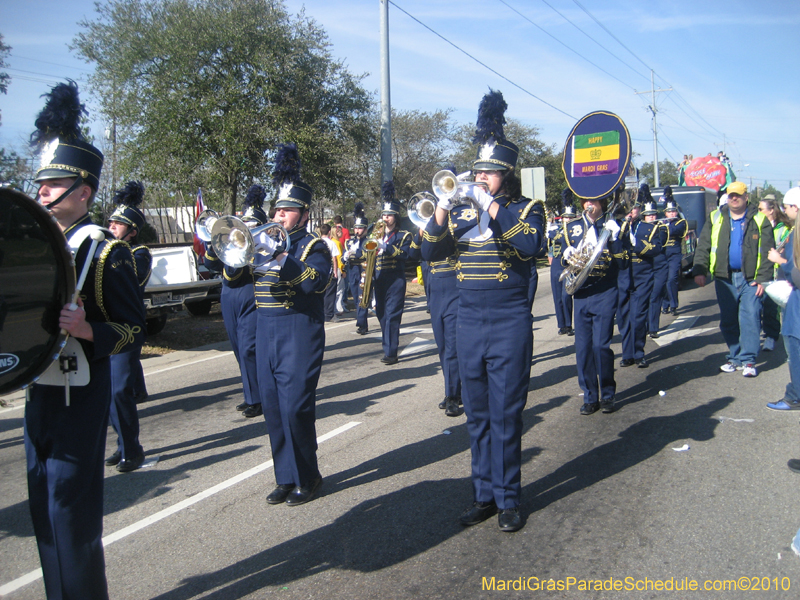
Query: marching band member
x=290, y=338
x=641, y=241
x=64, y=444
x=595, y=304
x=676, y=229
x=127, y=377
x=442, y=296
x=390, y=277
x=660, y=267
x=556, y=236
x=238, y=305
x=354, y=258
x=496, y=238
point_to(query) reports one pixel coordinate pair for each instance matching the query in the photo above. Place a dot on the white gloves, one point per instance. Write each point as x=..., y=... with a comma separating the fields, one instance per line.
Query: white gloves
x=381, y=245
x=552, y=227
x=569, y=251
x=347, y=256
x=611, y=225
x=445, y=204
x=266, y=245
x=483, y=198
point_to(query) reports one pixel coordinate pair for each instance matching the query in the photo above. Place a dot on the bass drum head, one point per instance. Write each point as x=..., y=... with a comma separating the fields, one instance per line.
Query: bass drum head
x=37, y=278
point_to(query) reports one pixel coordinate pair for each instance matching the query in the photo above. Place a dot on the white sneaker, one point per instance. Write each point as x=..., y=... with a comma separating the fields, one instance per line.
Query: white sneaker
x=749, y=371
x=728, y=368
x=769, y=344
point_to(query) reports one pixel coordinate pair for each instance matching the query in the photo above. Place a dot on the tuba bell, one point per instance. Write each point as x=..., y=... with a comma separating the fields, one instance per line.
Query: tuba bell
x=235, y=244
x=204, y=223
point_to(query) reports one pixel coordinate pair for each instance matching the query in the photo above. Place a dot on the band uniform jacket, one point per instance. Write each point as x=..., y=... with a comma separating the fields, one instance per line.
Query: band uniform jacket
x=605, y=271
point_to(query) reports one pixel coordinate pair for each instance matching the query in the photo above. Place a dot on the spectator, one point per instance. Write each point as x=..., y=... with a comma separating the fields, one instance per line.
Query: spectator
x=781, y=226
x=734, y=251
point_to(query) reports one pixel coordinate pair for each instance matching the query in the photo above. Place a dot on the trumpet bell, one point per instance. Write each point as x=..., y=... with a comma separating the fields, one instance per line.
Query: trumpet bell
x=204, y=224
x=421, y=207
x=446, y=185
x=235, y=245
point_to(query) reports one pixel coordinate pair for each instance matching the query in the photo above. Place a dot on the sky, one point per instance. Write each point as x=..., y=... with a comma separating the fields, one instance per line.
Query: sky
x=729, y=68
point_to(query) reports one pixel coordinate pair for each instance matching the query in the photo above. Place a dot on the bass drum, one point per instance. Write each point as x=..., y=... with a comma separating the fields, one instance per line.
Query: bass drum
x=37, y=278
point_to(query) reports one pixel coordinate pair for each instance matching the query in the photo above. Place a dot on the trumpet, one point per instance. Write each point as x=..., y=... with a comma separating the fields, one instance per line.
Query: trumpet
x=204, y=223
x=235, y=245
x=446, y=185
x=421, y=207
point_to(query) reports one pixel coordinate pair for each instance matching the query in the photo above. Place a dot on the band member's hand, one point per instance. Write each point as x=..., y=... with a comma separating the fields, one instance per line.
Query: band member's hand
x=265, y=244
x=612, y=226
x=569, y=251
x=74, y=322
x=445, y=204
x=483, y=198
x=700, y=280
x=552, y=227
x=759, y=288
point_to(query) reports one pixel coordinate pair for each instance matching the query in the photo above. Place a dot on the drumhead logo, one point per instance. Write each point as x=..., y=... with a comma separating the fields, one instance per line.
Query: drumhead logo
x=8, y=362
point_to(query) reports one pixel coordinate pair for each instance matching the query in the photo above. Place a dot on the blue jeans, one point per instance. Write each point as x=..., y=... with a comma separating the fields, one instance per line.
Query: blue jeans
x=792, y=345
x=739, y=318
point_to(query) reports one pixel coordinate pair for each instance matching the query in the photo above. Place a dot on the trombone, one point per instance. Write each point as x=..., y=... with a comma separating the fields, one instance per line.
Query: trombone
x=235, y=244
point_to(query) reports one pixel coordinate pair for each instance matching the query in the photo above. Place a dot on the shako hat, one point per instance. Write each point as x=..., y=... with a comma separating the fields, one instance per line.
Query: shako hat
x=495, y=152
x=292, y=192
x=128, y=201
x=359, y=216
x=253, y=205
x=58, y=136
x=390, y=205
x=649, y=209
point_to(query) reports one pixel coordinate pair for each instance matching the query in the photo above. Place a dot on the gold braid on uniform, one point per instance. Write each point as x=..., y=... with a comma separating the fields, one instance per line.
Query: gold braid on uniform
x=134, y=263
x=126, y=334
x=98, y=276
x=308, y=273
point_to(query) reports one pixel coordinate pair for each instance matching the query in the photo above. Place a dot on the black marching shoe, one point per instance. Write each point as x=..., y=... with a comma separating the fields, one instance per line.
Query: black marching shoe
x=627, y=362
x=590, y=408
x=114, y=459
x=443, y=403
x=253, y=410
x=563, y=330
x=130, y=464
x=665, y=311
x=477, y=513
x=570, y=331
x=301, y=495
x=607, y=405
x=389, y=360
x=673, y=312
x=242, y=406
x=280, y=493
x=362, y=331
x=642, y=363
x=653, y=335
x=509, y=520
x=453, y=407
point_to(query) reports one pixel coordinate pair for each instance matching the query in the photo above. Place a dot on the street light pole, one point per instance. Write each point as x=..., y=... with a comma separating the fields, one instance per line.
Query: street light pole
x=386, y=103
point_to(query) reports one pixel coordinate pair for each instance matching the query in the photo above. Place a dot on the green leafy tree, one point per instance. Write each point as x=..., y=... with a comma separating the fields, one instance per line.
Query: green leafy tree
x=667, y=173
x=15, y=171
x=200, y=92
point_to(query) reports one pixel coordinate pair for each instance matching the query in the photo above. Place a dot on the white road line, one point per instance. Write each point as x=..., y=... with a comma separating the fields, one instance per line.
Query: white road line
x=418, y=346
x=147, y=521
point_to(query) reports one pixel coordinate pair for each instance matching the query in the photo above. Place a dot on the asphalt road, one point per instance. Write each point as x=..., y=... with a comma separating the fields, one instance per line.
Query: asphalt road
x=690, y=485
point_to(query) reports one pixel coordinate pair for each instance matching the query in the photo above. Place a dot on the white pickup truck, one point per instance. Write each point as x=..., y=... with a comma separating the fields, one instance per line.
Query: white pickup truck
x=176, y=281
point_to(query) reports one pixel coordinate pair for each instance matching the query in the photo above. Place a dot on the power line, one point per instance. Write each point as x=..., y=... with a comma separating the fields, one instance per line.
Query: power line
x=484, y=65
x=596, y=66
x=51, y=63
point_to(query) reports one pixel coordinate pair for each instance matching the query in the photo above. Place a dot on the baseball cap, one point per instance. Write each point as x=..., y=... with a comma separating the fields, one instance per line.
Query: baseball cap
x=792, y=197
x=737, y=187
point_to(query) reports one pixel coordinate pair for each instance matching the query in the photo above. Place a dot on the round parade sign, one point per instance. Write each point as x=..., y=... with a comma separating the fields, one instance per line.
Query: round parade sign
x=597, y=155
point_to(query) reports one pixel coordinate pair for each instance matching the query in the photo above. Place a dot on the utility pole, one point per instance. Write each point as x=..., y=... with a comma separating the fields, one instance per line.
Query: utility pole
x=386, y=103
x=654, y=110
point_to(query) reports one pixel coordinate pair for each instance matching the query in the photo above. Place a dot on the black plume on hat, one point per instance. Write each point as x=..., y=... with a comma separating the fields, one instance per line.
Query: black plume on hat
x=287, y=165
x=131, y=195
x=358, y=210
x=644, y=193
x=61, y=115
x=491, y=119
x=387, y=191
x=255, y=197
x=667, y=192
x=567, y=197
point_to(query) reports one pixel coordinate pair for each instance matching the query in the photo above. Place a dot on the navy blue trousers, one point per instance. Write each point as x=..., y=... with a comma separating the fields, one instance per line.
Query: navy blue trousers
x=562, y=301
x=126, y=369
x=443, y=303
x=390, y=295
x=533, y=285
x=65, y=448
x=495, y=342
x=594, y=328
x=632, y=309
x=660, y=274
x=238, y=306
x=354, y=279
x=673, y=278
x=289, y=349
